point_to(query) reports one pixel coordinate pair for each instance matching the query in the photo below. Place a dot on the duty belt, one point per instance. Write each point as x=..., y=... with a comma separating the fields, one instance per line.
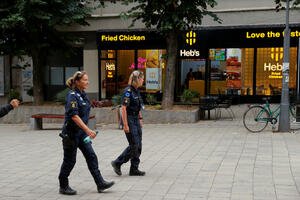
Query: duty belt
x=133, y=113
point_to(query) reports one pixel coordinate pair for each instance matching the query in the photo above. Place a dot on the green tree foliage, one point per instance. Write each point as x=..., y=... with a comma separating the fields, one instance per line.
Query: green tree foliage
x=30, y=27
x=294, y=3
x=170, y=18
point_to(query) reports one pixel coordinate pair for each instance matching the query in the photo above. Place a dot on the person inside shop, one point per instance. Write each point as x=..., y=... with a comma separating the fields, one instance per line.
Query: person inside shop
x=189, y=76
x=75, y=129
x=132, y=120
x=4, y=110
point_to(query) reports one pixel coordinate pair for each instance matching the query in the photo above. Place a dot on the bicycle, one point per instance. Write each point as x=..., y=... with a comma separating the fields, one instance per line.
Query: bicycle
x=257, y=117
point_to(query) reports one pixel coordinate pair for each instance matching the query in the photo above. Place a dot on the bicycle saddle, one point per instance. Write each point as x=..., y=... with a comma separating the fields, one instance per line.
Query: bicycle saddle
x=266, y=98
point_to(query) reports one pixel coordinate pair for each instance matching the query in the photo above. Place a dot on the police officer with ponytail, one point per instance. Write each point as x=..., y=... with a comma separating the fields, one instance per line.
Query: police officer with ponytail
x=133, y=121
x=75, y=129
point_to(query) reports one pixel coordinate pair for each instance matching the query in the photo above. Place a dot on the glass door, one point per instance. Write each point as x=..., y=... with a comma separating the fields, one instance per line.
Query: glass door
x=108, y=73
x=193, y=75
x=217, y=71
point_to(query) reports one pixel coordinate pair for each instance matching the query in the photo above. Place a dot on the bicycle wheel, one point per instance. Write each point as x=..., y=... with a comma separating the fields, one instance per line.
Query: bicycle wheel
x=256, y=119
x=292, y=109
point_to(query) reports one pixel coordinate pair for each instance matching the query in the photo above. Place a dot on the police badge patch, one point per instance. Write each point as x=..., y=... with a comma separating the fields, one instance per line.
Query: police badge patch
x=73, y=104
x=126, y=100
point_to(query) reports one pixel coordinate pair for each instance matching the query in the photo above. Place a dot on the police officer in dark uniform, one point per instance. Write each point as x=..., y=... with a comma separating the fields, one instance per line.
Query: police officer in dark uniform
x=132, y=119
x=5, y=109
x=73, y=133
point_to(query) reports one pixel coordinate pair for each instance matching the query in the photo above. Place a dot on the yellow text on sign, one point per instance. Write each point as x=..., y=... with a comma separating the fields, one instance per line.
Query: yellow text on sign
x=269, y=34
x=122, y=38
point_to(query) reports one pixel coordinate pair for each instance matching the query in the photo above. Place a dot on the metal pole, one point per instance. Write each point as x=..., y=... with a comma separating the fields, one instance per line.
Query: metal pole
x=298, y=86
x=284, y=120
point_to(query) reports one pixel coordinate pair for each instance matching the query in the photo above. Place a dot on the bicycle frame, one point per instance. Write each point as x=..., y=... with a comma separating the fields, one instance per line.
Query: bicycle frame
x=267, y=107
x=277, y=111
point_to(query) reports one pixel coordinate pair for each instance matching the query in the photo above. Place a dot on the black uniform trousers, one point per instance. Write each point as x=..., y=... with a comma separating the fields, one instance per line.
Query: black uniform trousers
x=134, y=137
x=70, y=160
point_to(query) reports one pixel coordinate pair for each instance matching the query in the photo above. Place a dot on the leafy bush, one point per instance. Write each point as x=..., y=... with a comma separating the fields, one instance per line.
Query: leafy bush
x=188, y=95
x=61, y=96
x=117, y=99
x=30, y=92
x=151, y=99
x=14, y=94
x=158, y=106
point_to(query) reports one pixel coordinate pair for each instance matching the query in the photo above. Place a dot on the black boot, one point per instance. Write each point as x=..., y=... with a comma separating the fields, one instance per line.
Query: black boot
x=116, y=167
x=104, y=185
x=136, y=172
x=67, y=190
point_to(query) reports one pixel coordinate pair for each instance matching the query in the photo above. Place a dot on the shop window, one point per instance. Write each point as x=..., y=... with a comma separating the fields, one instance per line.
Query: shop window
x=193, y=75
x=231, y=71
x=108, y=54
x=108, y=78
x=60, y=64
x=57, y=76
x=269, y=70
x=70, y=72
x=247, y=71
x=218, y=71
x=152, y=64
x=117, y=65
x=61, y=67
x=124, y=63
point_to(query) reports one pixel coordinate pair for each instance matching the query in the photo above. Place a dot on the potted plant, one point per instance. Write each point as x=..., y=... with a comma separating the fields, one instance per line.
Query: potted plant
x=189, y=95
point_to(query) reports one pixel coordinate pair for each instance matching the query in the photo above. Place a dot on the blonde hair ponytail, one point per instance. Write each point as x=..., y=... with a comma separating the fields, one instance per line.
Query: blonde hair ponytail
x=70, y=82
x=76, y=77
x=134, y=77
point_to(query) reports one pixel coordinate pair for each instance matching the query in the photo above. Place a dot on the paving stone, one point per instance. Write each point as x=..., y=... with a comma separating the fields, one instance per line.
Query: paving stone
x=204, y=160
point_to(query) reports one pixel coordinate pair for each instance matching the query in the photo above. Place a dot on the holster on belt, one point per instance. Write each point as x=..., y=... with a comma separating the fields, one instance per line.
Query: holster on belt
x=68, y=137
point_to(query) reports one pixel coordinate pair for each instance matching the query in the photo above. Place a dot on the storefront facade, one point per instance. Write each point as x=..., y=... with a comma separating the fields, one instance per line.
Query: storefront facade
x=120, y=53
x=245, y=62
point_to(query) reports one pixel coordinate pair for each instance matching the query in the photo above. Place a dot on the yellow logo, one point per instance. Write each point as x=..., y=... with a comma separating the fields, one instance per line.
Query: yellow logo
x=276, y=53
x=191, y=38
x=152, y=75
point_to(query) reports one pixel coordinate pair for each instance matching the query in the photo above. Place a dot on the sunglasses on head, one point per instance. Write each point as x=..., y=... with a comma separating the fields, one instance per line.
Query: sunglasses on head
x=77, y=75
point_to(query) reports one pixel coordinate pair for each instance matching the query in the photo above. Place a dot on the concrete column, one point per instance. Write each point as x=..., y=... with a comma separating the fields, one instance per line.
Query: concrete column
x=90, y=65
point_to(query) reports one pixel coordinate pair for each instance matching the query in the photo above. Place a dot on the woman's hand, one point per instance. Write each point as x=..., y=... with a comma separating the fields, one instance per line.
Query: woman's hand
x=126, y=129
x=15, y=103
x=91, y=133
x=141, y=122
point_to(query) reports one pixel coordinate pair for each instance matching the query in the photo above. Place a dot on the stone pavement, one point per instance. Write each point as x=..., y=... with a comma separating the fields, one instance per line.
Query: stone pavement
x=207, y=160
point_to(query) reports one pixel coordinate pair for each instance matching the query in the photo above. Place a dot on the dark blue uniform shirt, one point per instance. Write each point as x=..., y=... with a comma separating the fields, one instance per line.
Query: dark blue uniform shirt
x=77, y=103
x=132, y=99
